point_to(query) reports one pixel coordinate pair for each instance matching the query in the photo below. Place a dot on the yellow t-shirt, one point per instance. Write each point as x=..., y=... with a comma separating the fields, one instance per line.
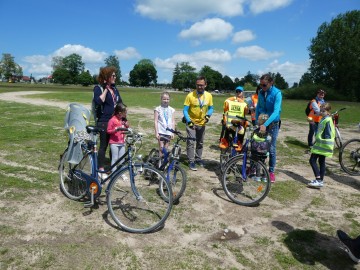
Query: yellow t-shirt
x=198, y=106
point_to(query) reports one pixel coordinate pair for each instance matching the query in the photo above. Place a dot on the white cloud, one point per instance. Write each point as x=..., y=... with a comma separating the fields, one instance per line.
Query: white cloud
x=127, y=53
x=209, y=29
x=243, y=36
x=260, y=6
x=87, y=54
x=214, y=58
x=255, y=53
x=188, y=10
x=291, y=72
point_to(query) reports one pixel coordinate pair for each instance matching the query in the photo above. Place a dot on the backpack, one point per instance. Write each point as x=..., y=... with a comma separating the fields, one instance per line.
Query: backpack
x=307, y=109
x=95, y=108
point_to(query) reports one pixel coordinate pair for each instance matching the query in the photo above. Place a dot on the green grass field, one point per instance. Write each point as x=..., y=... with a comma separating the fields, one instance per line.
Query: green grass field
x=32, y=139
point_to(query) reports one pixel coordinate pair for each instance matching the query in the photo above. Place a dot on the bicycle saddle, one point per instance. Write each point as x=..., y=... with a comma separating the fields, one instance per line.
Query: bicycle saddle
x=93, y=129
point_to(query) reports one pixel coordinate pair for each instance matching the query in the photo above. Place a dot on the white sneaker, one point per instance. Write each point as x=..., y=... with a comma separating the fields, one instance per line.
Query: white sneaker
x=316, y=183
x=124, y=177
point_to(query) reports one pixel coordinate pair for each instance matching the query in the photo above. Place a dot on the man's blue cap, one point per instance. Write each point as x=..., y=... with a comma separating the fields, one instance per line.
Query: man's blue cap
x=239, y=89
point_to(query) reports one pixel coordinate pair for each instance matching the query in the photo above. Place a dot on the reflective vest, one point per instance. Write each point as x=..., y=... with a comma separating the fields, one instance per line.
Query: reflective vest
x=254, y=99
x=316, y=118
x=324, y=147
x=235, y=108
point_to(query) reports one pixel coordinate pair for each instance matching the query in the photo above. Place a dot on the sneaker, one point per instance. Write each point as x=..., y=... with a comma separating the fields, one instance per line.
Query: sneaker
x=263, y=179
x=192, y=166
x=124, y=177
x=223, y=143
x=315, y=183
x=200, y=163
x=103, y=176
x=257, y=178
x=272, y=177
x=351, y=247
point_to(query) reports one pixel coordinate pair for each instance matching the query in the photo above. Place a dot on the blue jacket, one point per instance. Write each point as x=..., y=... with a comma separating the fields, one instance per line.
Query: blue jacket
x=270, y=106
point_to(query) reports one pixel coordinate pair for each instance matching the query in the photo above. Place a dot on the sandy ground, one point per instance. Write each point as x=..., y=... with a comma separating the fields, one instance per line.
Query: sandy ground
x=198, y=221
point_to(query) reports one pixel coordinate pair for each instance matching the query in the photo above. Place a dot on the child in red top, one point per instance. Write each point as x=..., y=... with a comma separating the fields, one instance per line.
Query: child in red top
x=117, y=137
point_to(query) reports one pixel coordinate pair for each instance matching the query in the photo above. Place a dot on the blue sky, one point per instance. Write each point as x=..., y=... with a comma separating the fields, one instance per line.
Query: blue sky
x=231, y=36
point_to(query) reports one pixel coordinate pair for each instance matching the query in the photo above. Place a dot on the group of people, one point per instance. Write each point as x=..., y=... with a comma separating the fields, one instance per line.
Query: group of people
x=197, y=111
x=111, y=116
x=198, y=108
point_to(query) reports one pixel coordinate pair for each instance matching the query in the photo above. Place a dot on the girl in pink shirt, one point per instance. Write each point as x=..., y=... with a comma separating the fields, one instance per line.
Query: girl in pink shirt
x=117, y=137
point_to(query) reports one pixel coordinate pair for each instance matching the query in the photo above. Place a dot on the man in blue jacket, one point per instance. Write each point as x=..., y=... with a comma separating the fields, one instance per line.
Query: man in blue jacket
x=269, y=102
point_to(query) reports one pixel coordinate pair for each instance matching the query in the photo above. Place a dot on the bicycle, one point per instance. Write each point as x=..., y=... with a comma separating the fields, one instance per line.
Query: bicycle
x=349, y=157
x=335, y=118
x=245, y=179
x=132, y=194
x=169, y=164
x=232, y=150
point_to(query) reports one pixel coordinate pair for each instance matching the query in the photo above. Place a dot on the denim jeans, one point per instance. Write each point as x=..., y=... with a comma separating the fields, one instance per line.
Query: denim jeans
x=273, y=130
x=321, y=159
x=312, y=130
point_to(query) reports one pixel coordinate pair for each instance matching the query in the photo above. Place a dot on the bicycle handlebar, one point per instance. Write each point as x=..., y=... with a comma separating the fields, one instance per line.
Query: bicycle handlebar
x=336, y=112
x=180, y=135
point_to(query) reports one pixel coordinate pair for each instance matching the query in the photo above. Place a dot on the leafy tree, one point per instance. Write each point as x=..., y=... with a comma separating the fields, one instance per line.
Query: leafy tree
x=113, y=61
x=335, y=54
x=62, y=75
x=213, y=77
x=280, y=82
x=228, y=83
x=143, y=73
x=250, y=78
x=306, y=78
x=85, y=78
x=8, y=67
x=184, y=76
x=72, y=63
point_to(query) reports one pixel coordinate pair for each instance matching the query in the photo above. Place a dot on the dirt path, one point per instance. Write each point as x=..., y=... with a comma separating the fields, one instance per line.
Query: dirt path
x=199, y=220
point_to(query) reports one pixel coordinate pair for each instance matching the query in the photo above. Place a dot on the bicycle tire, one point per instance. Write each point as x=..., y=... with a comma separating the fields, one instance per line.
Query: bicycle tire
x=153, y=157
x=338, y=140
x=349, y=157
x=245, y=188
x=72, y=185
x=138, y=214
x=177, y=178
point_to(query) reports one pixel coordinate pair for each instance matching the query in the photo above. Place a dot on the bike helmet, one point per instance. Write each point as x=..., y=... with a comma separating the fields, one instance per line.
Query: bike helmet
x=239, y=89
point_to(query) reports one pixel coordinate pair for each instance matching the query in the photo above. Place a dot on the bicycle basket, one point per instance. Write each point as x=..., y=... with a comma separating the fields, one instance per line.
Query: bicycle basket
x=259, y=146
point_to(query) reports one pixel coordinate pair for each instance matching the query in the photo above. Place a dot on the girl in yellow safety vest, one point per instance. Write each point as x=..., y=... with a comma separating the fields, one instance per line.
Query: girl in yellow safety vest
x=323, y=147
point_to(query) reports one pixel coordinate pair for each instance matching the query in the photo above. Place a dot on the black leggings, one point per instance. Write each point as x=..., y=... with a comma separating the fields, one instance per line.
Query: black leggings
x=104, y=142
x=313, y=162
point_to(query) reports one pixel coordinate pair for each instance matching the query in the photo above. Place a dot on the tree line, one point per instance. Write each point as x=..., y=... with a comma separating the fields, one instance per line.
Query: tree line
x=334, y=56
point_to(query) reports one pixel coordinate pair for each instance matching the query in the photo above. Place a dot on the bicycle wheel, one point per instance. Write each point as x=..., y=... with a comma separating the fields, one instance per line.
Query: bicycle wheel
x=72, y=185
x=224, y=157
x=153, y=157
x=246, y=183
x=138, y=207
x=338, y=140
x=349, y=157
x=176, y=176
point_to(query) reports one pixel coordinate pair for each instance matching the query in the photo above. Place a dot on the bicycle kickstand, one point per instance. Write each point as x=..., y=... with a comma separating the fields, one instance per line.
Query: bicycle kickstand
x=91, y=203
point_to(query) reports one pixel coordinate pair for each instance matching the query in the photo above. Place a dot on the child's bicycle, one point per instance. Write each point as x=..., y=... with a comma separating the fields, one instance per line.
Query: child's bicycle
x=132, y=194
x=335, y=118
x=245, y=178
x=169, y=164
x=349, y=157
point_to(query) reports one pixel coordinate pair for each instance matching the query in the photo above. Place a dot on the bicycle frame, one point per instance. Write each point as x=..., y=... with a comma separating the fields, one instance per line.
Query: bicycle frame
x=93, y=182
